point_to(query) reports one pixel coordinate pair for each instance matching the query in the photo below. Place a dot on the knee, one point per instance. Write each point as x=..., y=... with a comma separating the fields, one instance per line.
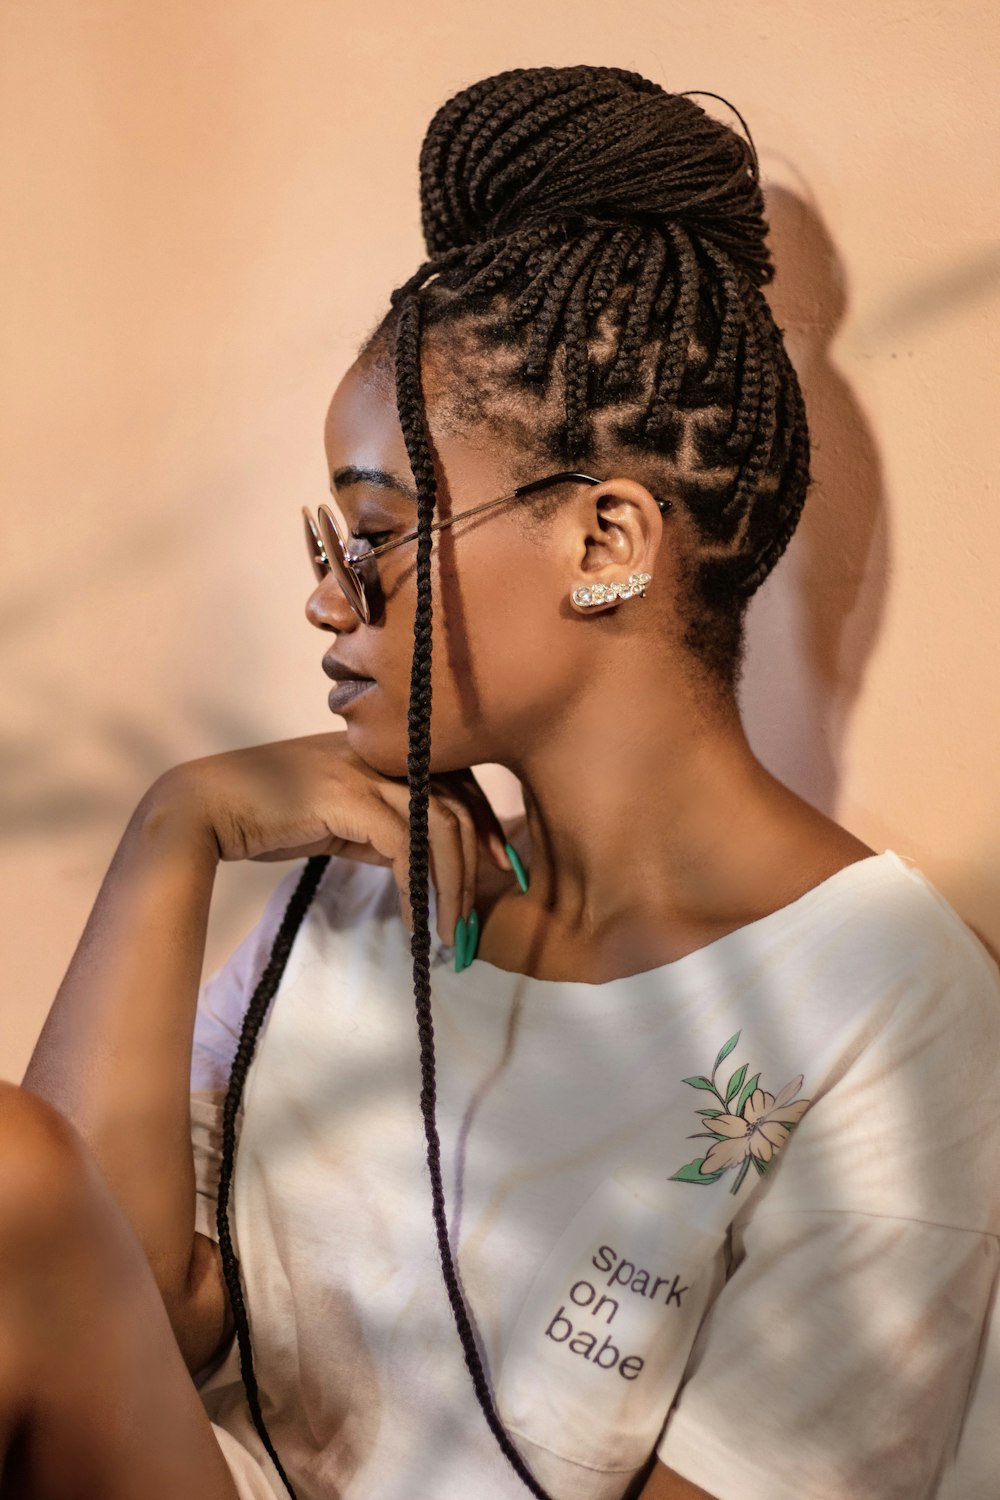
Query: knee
x=43, y=1168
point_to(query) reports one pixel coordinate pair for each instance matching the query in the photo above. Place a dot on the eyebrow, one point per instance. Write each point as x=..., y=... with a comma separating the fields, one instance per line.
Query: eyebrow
x=380, y=478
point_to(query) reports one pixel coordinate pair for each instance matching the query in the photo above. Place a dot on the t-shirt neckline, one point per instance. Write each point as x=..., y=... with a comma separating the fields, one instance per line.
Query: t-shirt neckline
x=863, y=871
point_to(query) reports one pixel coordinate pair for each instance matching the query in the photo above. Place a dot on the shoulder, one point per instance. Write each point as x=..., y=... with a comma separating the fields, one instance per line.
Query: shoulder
x=809, y=851
x=906, y=1122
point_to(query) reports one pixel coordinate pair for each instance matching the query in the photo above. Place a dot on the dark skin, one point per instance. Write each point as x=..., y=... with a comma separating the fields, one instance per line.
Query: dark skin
x=651, y=828
x=597, y=717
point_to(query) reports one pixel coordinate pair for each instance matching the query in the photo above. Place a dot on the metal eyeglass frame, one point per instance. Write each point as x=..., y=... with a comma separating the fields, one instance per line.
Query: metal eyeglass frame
x=323, y=538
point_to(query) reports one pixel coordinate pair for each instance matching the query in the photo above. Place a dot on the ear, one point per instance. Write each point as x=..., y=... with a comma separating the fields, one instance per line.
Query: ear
x=617, y=532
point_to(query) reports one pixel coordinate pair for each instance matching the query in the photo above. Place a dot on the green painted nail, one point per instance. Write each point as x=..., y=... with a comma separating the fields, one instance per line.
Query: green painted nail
x=522, y=878
x=460, y=939
x=472, y=937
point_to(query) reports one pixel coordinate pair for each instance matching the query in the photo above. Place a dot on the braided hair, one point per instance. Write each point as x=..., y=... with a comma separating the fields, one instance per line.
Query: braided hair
x=596, y=249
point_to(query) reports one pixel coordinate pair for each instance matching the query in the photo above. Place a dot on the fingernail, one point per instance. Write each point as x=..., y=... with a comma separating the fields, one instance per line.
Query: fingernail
x=460, y=942
x=522, y=878
x=472, y=937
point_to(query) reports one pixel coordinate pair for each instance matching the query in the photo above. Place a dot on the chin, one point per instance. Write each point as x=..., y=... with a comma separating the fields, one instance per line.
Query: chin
x=391, y=759
x=388, y=760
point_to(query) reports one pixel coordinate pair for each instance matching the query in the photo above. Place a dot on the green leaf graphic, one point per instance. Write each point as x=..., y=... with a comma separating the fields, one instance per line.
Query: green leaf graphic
x=735, y=1081
x=690, y=1173
x=708, y=1135
x=709, y=1113
x=726, y=1051
x=700, y=1083
x=747, y=1091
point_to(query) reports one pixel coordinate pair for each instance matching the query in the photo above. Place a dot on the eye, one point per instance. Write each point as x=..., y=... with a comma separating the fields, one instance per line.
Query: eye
x=373, y=538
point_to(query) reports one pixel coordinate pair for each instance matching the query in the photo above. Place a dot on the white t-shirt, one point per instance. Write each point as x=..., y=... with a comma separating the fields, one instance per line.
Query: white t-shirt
x=804, y=1318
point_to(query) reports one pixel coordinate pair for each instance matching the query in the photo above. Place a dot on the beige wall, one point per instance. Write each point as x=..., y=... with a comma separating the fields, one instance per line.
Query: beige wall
x=206, y=206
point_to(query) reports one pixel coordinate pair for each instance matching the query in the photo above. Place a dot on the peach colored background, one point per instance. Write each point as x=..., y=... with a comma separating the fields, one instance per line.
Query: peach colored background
x=206, y=207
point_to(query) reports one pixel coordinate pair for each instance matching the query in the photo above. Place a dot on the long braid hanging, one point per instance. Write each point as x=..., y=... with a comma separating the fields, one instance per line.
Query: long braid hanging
x=260, y=1000
x=411, y=407
x=409, y=396
x=503, y=168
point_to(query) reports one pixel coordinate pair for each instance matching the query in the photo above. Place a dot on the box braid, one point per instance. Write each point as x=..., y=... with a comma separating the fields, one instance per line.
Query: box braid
x=573, y=203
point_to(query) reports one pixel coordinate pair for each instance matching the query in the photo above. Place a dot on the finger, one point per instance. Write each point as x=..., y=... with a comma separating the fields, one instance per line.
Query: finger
x=452, y=853
x=434, y=867
x=389, y=834
x=471, y=848
x=444, y=857
x=487, y=825
x=448, y=856
x=401, y=871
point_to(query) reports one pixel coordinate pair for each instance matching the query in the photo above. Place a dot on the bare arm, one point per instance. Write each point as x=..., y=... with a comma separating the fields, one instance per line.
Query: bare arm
x=114, y=1054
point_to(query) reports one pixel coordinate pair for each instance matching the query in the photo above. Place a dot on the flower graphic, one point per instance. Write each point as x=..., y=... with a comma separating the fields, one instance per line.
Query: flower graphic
x=751, y=1132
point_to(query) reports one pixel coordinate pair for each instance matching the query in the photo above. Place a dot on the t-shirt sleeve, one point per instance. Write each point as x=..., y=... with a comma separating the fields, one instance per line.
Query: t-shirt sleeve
x=839, y=1356
x=222, y=1004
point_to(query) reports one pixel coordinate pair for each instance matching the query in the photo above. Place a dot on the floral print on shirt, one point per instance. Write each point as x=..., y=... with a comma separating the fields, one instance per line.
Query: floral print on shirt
x=753, y=1131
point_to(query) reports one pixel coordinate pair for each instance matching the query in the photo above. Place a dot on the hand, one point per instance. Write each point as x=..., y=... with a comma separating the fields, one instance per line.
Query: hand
x=314, y=795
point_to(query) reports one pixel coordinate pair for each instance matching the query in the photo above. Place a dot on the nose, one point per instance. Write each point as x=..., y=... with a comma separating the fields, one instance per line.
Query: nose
x=327, y=607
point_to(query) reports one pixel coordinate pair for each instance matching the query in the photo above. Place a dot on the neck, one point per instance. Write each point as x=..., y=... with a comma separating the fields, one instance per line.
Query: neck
x=641, y=813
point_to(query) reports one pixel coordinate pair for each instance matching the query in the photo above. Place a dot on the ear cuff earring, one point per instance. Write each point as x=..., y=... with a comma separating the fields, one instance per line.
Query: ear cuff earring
x=604, y=593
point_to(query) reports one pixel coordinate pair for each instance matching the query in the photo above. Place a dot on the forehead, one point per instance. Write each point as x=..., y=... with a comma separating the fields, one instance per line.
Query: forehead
x=362, y=431
x=362, y=426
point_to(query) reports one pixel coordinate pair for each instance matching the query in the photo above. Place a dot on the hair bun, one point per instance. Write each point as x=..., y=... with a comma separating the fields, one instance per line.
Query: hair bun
x=586, y=145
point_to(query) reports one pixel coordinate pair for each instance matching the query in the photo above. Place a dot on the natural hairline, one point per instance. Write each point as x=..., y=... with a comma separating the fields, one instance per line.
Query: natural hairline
x=497, y=405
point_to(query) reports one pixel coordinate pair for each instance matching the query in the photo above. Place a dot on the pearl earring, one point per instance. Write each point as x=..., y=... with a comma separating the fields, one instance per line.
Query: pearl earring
x=604, y=593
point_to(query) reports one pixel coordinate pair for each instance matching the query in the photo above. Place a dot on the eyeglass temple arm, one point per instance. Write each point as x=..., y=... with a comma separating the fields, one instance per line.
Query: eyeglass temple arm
x=524, y=489
x=537, y=484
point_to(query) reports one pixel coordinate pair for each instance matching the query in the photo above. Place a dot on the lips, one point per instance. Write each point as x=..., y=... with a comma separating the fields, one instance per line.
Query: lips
x=340, y=672
x=350, y=691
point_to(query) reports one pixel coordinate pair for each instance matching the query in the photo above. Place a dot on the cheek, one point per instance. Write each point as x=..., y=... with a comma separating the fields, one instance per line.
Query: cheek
x=498, y=642
x=505, y=650
x=502, y=659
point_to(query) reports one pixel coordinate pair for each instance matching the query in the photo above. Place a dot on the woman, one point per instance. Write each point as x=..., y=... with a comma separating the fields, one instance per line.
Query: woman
x=689, y=1225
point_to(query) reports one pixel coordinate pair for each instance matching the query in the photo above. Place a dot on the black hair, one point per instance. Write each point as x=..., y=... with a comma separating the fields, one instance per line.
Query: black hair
x=563, y=206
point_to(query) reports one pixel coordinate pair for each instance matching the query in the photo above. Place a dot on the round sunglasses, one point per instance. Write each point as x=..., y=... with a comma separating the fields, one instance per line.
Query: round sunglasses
x=355, y=573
